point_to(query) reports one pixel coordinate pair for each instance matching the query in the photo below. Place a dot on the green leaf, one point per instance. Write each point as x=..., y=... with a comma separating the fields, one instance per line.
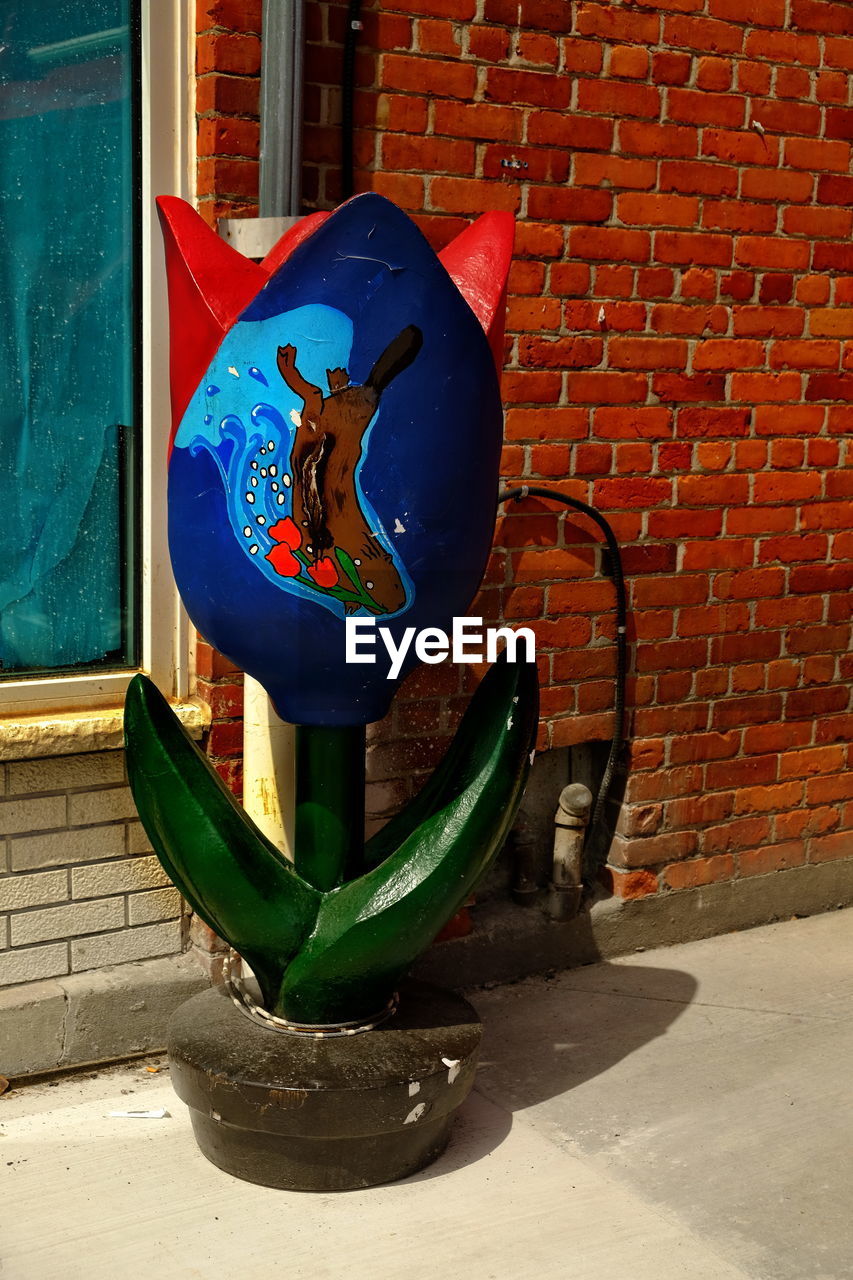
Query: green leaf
x=369, y=931
x=237, y=881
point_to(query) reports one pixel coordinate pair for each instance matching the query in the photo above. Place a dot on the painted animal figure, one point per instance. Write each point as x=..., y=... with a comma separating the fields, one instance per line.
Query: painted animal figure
x=324, y=458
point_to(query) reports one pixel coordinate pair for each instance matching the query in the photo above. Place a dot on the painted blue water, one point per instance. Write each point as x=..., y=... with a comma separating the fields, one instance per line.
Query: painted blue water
x=250, y=438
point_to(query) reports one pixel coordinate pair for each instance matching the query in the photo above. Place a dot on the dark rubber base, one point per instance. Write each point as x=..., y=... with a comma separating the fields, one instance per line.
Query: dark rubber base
x=324, y=1115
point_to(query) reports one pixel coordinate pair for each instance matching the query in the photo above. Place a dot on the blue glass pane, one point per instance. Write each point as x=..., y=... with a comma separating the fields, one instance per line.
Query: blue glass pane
x=67, y=220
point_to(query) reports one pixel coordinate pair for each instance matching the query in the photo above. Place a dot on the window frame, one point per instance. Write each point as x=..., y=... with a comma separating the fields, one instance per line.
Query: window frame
x=167, y=162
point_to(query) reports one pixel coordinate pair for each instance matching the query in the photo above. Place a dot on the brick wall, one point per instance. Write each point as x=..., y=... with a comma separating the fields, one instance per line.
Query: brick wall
x=228, y=64
x=85, y=889
x=679, y=353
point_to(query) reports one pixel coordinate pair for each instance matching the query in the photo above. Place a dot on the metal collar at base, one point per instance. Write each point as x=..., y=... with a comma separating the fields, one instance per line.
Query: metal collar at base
x=245, y=1002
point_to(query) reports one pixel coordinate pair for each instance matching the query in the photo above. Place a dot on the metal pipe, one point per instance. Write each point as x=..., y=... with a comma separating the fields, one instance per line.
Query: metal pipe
x=281, y=107
x=526, y=886
x=268, y=743
x=570, y=821
x=268, y=767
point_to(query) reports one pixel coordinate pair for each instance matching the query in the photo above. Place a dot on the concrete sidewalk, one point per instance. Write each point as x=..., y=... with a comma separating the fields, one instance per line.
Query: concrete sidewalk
x=681, y=1113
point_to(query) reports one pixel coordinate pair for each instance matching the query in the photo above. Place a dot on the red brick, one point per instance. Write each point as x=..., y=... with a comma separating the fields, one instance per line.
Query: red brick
x=820, y=15
x=671, y=68
x=629, y=61
x=610, y=244
x=476, y=120
x=459, y=10
x=692, y=106
x=547, y=424
x=413, y=153
x=793, y=82
x=616, y=23
x=839, y=53
x=630, y=492
x=560, y=353
x=645, y=423
x=699, y=871
x=814, y=153
x=404, y=189
x=655, y=282
x=831, y=86
x=658, y=210
x=762, y=184
x=804, y=355
x=651, y=850
x=788, y=118
x=615, y=171
x=696, y=176
x=569, y=205
x=753, y=77
x=678, y=387
x=561, y=129
x=239, y=15
x=228, y=176
x=613, y=99
x=737, y=215
x=690, y=247
x=827, y=386
x=427, y=75
x=827, y=848
x=727, y=353
x=471, y=196
x=228, y=51
x=783, y=46
x=434, y=36
x=647, y=353
x=658, y=140
x=582, y=55
x=761, y=387
x=228, y=95
x=629, y=885
x=759, y=862
x=488, y=44
x=535, y=88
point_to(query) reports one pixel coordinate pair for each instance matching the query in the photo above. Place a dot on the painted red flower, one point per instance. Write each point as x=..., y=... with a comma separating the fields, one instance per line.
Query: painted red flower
x=286, y=531
x=284, y=561
x=324, y=572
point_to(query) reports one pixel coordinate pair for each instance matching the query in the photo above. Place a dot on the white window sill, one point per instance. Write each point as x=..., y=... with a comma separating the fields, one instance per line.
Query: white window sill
x=63, y=733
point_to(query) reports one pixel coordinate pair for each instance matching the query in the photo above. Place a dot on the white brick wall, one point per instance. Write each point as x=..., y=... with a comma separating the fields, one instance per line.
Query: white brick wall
x=79, y=886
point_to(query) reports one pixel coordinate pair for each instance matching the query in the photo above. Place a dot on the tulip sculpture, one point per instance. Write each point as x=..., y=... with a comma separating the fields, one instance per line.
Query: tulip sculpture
x=334, y=455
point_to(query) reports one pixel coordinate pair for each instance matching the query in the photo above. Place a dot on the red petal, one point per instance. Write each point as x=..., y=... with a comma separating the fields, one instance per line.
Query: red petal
x=324, y=572
x=287, y=531
x=210, y=283
x=478, y=263
x=284, y=561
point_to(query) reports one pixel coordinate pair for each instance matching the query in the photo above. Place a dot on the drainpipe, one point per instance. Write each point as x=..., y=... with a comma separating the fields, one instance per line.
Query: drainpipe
x=570, y=821
x=269, y=743
x=281, y=107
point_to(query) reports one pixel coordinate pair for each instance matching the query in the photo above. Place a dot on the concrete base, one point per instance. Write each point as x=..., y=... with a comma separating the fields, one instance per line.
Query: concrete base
x=97, y=1016
x=108, y=1014
x=334, y=1113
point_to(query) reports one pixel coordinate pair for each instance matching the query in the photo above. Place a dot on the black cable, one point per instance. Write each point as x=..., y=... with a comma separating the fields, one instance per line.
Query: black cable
x=618, y=739
x=347, y=94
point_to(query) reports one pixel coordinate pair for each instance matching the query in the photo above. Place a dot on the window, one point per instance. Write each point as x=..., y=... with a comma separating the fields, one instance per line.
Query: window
x=90, y=130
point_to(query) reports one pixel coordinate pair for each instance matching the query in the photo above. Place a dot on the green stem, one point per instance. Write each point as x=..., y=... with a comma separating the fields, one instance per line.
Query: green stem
x=329, y=837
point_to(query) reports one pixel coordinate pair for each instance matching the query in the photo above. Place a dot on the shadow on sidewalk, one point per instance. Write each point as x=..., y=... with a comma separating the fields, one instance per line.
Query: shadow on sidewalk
x=546, y=1036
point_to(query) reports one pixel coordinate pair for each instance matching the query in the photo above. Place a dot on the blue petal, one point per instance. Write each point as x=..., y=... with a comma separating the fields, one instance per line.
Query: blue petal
x=427, y=479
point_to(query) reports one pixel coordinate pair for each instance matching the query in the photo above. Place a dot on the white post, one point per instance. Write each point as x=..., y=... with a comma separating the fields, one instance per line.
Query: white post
x=268, y=767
